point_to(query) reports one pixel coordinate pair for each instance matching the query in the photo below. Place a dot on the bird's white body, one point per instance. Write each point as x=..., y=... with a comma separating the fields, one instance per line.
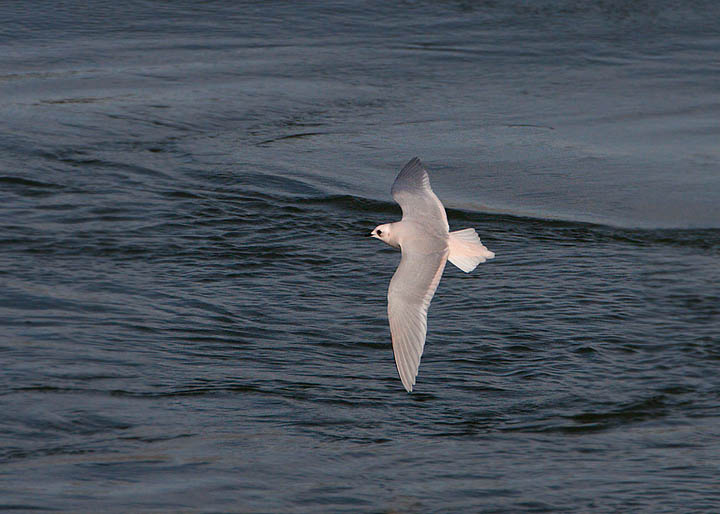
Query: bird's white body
x=427, y=244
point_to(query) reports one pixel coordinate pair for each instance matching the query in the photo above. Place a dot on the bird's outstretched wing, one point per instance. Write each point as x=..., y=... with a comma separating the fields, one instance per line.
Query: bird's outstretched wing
x=412, y=191
x=411, y=289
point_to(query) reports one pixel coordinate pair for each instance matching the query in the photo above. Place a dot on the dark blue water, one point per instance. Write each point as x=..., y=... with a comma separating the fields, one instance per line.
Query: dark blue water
x=191, y=316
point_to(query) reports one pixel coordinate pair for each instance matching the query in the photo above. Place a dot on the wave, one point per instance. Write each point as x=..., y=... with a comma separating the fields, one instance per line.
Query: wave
x=554, y=228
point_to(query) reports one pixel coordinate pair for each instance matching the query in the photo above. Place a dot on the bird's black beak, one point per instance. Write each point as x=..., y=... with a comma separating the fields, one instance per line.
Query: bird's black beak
x=369, y=235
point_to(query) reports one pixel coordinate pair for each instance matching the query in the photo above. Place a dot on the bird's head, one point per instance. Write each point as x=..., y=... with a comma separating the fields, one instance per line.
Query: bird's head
x=382, y=232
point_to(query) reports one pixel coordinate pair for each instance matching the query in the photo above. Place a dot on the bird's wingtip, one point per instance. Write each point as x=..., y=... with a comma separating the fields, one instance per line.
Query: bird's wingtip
x=408, y=383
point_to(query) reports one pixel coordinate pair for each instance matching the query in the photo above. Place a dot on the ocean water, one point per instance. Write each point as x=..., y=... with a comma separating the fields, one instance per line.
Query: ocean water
x=191, y=316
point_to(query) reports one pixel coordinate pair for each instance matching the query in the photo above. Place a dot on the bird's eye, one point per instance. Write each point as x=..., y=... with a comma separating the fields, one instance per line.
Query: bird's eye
x=379, y=232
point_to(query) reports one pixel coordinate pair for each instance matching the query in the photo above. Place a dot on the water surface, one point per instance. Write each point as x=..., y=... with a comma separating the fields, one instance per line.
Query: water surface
x=192, y=318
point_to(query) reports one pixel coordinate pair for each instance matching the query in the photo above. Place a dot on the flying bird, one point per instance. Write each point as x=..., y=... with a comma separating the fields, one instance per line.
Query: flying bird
x=424, y=237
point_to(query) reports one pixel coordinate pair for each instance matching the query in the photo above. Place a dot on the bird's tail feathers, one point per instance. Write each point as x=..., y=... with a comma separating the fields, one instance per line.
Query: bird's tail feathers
x=466, y=250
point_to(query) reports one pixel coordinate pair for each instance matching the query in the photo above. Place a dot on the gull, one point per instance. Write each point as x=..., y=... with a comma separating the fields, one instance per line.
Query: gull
x=423, y=235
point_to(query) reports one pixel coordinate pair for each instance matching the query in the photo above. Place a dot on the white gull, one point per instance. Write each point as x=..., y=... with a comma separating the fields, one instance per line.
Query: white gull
x=424, y=237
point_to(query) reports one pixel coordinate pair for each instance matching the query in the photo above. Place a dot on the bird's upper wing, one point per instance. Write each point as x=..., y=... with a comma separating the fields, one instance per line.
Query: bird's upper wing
x=411, y=289
x=412, y=191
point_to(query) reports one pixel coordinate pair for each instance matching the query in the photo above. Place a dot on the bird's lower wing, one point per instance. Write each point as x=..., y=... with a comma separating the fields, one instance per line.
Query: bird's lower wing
x=411, y=289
